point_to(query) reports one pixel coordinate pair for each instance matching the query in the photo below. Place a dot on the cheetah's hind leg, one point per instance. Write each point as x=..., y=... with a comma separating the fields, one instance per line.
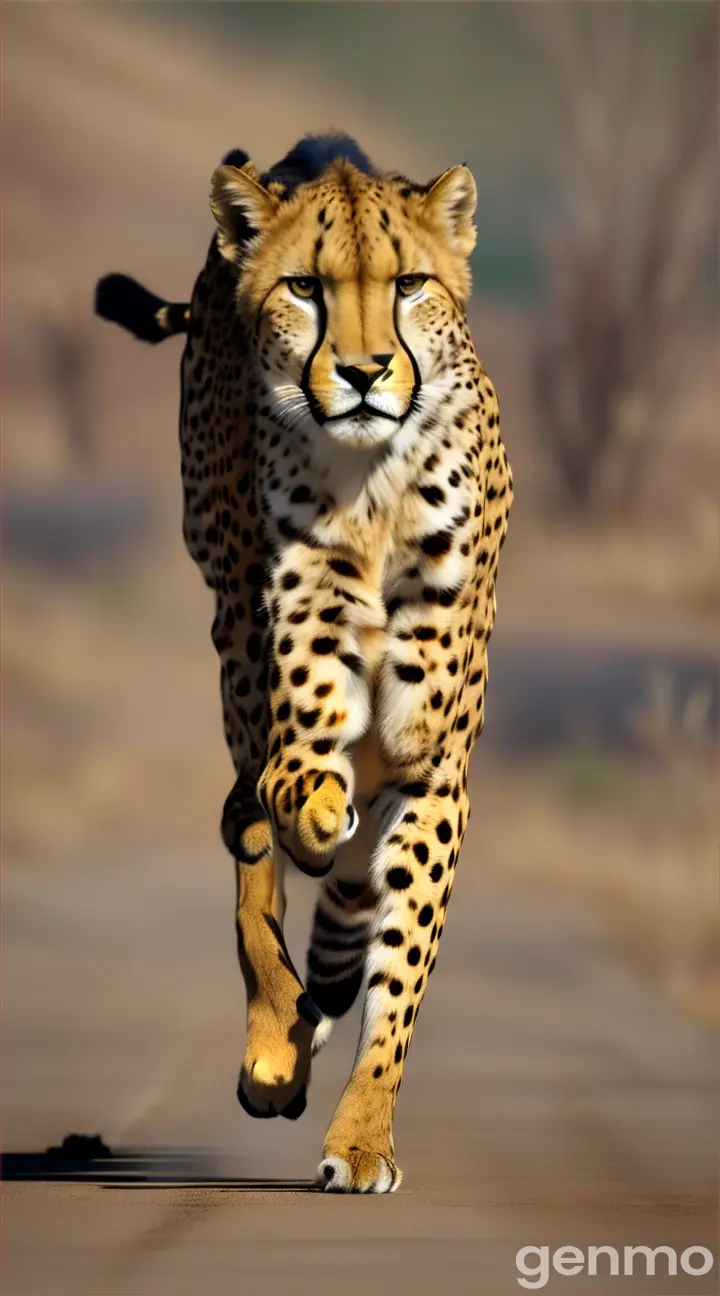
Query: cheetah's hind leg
x=281, y=1017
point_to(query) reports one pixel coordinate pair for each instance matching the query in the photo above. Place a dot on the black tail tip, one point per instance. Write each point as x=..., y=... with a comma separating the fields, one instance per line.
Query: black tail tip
x=114, y=294
x=124, y=301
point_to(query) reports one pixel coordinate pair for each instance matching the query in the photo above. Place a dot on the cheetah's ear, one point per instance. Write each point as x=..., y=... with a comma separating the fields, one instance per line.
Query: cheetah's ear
x=450, y=205
x=240, y=205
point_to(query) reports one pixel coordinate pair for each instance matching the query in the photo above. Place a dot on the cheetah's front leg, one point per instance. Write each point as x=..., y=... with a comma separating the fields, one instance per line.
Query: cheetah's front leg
x=412, y=871
x=319, y=703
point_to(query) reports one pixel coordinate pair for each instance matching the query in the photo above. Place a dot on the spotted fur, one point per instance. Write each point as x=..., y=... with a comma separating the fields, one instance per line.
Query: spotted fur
x=346, y=496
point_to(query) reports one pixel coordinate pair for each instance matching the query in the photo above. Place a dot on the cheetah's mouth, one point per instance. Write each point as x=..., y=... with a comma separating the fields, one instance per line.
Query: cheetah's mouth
x=363, y=413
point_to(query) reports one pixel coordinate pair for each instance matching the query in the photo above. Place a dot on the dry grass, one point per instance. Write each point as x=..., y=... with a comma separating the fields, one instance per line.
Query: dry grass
x=637, y=843
x=111, y=720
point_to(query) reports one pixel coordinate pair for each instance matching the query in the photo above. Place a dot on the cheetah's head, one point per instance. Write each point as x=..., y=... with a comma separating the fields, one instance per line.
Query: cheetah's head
x=350, y=288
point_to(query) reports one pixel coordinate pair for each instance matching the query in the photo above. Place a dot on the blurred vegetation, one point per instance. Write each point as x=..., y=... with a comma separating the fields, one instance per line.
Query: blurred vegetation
x=640, y=184
x=477, y=85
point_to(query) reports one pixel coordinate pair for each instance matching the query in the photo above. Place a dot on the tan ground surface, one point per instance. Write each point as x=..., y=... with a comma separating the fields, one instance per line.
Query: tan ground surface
x=548, y=1100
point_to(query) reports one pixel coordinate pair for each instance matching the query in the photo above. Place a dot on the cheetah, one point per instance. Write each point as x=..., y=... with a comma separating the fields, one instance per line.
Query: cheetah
x=346, y=497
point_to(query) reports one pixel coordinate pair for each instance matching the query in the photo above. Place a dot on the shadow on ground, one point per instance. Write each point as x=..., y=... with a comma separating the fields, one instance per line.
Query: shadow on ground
x=136, y=1168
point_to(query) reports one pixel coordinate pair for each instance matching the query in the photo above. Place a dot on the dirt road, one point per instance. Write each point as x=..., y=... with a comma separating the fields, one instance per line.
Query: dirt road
x=548, y=1101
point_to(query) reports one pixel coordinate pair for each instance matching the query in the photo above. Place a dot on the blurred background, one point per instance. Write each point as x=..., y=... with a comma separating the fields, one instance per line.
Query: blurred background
x=574, y=1012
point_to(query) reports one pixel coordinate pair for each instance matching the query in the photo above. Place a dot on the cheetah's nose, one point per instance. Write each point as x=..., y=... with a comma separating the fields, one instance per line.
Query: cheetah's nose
x=362, y=376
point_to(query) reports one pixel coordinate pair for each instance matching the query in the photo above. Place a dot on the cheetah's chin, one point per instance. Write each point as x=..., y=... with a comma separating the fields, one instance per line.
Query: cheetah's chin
x=361, y=431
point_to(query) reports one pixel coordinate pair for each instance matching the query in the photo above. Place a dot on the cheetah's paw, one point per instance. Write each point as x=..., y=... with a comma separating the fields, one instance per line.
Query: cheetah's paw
x=358, y=1171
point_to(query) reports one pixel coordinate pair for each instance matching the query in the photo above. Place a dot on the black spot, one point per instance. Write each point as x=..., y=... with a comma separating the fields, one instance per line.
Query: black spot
x=283, y=712
x=308, y=718
x=395, y=987
x=377, y=1072
x=298, y=676
x=433, y=495
x=399, y=879
x=391, y=936
x=378, y=978
x=425, y=915
x=322, y=746
x=300, y=495
x=398, y=1053
x=330, y=614
x=410, y=674
x=421, y=853
x=343, y=568
x=407, y=1019
x=413, y=789
x=436, y=545
x=285, y=646
x=324, y=645
x=290, y=580
x=436, y=872
x=352, y=662
x=413, y=955
x=436, y=700
x=444, y=831
x=445, y=597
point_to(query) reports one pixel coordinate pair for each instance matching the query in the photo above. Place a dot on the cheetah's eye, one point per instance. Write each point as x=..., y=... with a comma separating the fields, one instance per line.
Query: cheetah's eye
x=409, y=284
x=303, y=286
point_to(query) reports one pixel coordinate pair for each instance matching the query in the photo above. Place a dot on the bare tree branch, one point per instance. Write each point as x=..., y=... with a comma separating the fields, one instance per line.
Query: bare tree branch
x=643, y=206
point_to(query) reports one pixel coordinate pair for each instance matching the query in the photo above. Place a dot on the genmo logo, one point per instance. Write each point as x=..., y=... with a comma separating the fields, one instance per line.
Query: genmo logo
x=535, y=1264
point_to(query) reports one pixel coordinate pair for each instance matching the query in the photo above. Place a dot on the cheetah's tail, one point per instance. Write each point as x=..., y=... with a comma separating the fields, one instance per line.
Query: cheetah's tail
x=124, y=301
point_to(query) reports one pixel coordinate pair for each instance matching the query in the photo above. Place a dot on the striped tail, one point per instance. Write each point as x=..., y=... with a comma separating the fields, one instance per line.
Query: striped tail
x=124, y=301
x=336, y=957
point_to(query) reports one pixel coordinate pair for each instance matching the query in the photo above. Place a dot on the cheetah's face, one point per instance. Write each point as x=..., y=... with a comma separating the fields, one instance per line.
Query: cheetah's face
x=349, y=289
